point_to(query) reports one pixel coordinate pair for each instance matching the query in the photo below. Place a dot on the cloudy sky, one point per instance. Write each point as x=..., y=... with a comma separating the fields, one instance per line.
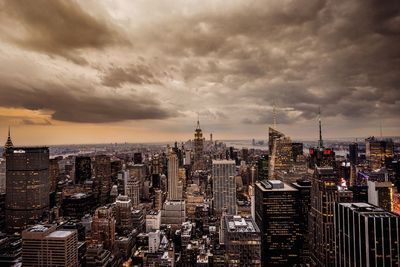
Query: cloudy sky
x=140, y=70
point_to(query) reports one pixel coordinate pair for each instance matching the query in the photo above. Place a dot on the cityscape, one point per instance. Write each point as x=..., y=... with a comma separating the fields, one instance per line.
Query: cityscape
x=199, y=134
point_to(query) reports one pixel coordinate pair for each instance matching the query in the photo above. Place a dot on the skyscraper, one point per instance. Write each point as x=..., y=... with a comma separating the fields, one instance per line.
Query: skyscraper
x=376, y=151
x=198, y=148
x=44, y=245
x=124, y=212
x=174, y=185
x=103, y=177
x=277, y=214
x=325, y=192
x=353, y=153
x=224, y=186
x=366, y=235
x=242, y=239
x=83, y=169
x=132, y=190
x=9, y=144
x=281, y=153
x=27, y=186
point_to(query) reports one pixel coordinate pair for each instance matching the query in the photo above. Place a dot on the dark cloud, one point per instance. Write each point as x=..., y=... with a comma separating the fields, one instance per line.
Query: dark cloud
x=43, y=122
x=69, y=104
x=136, y=74
x=59, y=27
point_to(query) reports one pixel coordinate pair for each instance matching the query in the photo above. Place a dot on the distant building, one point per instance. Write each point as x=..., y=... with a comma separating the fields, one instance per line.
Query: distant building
x=280, y=153
x=242, y=240
x=380, y=189
x=27, y=190
x=376, y=151
x=198, y=148
x=153, y=220
x=124, y=213
x=366, y=235
x=224, y=186
x=132, y=190
x=277, y=214
x=43, y=245
x=353, y=153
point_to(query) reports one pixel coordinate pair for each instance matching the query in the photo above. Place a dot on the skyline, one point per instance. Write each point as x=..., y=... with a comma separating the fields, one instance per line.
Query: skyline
x=104, y=71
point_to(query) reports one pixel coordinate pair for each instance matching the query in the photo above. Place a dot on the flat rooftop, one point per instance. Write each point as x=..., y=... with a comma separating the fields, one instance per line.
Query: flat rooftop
x=236, y=223
x=60, y=234
x=274, y=185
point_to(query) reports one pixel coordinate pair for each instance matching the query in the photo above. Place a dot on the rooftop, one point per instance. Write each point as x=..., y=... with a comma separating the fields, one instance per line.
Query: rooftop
x=60, y=234
x=236, y=223
x=274, y=185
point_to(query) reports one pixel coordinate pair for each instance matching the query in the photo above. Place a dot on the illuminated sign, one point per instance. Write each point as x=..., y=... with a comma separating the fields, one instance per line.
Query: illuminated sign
x=20, y=151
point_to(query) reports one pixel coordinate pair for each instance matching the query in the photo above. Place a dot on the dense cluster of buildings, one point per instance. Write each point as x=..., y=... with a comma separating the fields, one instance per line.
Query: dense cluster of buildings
x=201, y=203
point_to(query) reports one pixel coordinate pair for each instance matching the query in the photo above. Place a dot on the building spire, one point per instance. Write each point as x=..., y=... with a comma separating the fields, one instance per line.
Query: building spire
x=321, y=142
x=198, y=122
x=274, y=116
x=9, y=143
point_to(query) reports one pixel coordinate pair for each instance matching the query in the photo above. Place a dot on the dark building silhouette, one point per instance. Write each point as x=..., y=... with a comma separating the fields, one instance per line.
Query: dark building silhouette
x=83, y=169
x=366, y=235
x=137, y=158
x=304, y=202
x=27, y=186
x=277, y=214
x=353, y=153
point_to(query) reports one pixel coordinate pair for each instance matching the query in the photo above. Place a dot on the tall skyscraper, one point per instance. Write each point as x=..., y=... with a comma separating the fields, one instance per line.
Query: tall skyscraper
x=27, y=186
x=224, y=186
x=124, y=212
x=376, y=151
x=353, y=153
x=54, y=172
x=277, y=214
x=83, y=169
x=9, y=144
x=44, y=245
x=198, y=148
x=242, y=239
x=304, y=201
x=174, y=185
x=103, y=177
x=380, y=189
x=281, y=154
x=366, y=235
x=325, y=192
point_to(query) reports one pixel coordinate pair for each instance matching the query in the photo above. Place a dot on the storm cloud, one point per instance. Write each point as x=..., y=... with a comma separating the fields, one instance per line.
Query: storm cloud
x=230, y=62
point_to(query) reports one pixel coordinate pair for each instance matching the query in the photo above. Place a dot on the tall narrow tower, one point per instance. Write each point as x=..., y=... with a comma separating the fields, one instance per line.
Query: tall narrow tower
x=320, y=142
x=198, y=147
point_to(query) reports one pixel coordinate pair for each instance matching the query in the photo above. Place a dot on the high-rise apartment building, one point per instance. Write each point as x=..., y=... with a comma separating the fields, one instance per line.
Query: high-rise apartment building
x=44, y=245
x=366, y=235
x=325, y=191
x=224, y=186
x=277, y=214
x=242, y=239
x=27, y=186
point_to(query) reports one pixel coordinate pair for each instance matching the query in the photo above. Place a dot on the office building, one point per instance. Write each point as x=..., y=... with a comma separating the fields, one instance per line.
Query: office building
x=27, y=186
x=376, y=150
x=224, y=186
x=325, y=191
x=353, y=153
x=242, y=239
x=132, y=190
x=198, y=148
x=83, y=169
x=366, y=235
x=277, y=214
x=174, y=185
x=103, y=177
x=174, y=213
x=280, y=153
x=44, y=245
x=304, y=201
x=103, y=227
x=124, y=213
x=153, y=220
